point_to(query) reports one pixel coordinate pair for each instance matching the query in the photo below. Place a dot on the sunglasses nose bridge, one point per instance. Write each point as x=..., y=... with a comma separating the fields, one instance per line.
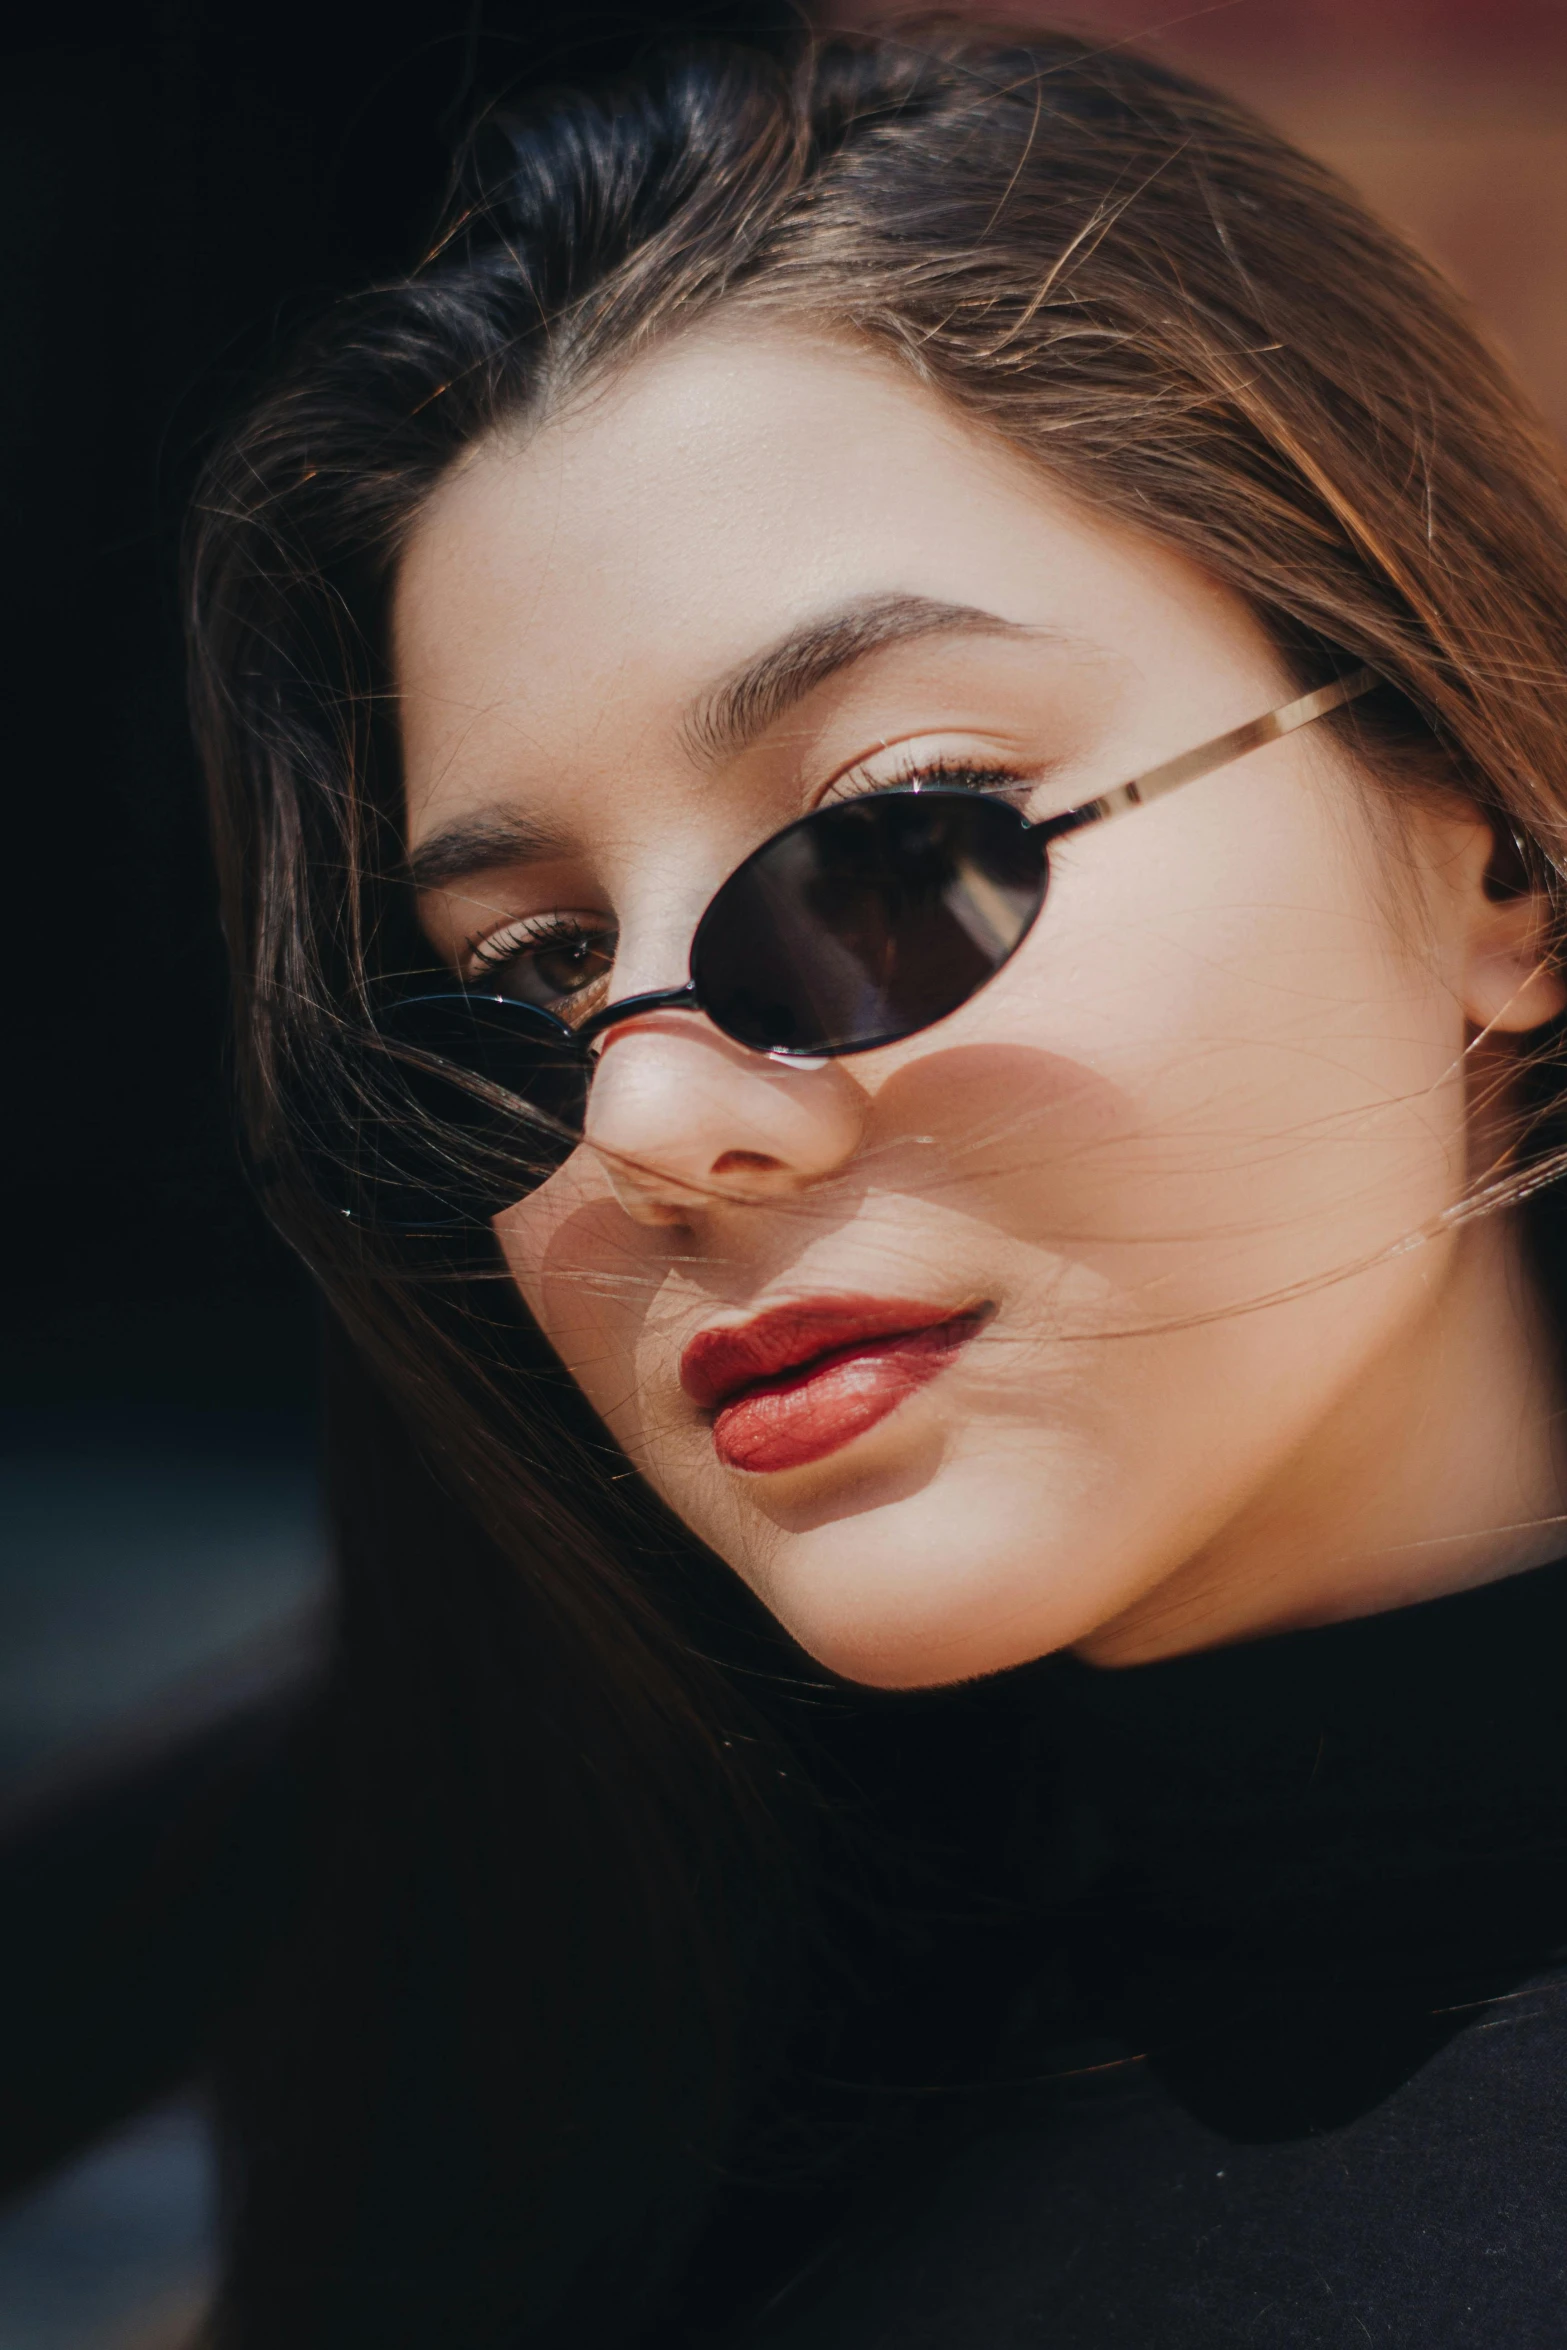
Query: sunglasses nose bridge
x=595, y=1032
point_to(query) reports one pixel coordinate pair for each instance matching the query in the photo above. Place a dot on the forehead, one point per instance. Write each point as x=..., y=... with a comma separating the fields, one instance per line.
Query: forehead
x=570, y=587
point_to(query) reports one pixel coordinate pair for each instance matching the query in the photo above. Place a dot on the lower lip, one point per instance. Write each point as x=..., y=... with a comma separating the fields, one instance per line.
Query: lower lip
x=804, y=1415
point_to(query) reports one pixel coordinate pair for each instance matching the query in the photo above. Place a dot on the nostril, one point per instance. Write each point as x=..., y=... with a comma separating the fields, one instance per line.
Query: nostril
x=746, y=1163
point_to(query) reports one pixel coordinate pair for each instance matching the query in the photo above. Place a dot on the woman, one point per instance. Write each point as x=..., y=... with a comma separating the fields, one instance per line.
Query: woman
x=944, y=1711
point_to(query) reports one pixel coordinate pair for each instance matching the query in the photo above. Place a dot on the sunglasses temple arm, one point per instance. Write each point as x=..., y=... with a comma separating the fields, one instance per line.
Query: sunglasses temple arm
x=1222, y=751
x=632, y=1007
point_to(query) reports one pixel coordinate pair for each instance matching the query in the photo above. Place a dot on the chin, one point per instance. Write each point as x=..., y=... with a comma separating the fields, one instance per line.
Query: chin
x=923, y=1592
x=880, y=1648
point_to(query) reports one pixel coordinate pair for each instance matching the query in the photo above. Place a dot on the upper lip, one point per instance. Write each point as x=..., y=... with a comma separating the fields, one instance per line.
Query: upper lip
x=719, y=1364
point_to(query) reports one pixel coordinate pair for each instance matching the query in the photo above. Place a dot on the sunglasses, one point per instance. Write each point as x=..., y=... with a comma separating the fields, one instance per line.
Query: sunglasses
x=857, y=926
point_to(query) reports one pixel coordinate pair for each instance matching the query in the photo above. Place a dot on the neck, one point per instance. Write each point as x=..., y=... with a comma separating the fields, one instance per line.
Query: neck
x=1440, y=1468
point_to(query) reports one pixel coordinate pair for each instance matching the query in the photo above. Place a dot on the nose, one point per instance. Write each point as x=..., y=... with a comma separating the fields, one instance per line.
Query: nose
x=687, y=1123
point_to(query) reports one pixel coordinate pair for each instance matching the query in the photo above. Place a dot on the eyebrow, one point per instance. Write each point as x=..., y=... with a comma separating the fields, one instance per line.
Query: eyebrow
x=489, y=838
x=727, y=717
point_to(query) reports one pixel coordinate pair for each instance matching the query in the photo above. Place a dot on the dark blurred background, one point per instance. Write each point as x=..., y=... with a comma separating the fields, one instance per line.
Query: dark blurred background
x=180, y=186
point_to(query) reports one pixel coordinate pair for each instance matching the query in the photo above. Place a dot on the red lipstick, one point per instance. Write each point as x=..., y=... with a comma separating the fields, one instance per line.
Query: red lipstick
x=802, y=1381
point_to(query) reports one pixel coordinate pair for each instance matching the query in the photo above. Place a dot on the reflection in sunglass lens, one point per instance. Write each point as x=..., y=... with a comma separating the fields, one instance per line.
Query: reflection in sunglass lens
x=867, y=922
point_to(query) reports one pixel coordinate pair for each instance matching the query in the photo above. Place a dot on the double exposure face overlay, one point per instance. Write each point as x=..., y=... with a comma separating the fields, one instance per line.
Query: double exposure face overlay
x=1080, y=1317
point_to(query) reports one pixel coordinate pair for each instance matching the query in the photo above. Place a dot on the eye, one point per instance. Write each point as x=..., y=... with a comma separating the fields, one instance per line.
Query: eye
x=946, y=771
x=557, y=961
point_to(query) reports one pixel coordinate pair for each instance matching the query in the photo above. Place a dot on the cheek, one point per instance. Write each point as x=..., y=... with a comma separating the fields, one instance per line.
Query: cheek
x=588, y=1277
x=1224, y=1074
x=615, y=1301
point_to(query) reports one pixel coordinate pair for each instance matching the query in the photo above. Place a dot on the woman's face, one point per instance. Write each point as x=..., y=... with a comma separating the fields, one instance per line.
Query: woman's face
x=1078, y=1318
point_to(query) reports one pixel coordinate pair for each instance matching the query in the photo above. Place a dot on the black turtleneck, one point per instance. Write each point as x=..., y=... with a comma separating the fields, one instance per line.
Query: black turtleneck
x=1292, y=2070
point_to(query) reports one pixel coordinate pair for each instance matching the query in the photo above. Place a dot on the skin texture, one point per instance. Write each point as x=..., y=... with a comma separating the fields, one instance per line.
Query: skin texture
x=1257, y=1040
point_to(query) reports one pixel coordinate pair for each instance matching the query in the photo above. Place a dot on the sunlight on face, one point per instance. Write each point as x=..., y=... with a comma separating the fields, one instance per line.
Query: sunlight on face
x=1093, y=1322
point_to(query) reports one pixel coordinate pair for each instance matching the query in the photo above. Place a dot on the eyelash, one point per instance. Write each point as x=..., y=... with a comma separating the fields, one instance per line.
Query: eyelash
x=951, y=774
x=530, y=930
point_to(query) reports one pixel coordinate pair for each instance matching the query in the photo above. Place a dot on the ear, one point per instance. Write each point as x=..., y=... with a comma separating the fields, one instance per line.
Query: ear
x=1509, y=978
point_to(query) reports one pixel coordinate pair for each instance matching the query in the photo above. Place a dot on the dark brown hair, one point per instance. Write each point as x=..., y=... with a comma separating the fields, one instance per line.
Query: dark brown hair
x=522, y=2028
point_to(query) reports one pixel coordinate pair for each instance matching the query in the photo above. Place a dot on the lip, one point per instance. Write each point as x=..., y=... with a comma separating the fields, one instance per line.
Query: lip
x=803, y=1380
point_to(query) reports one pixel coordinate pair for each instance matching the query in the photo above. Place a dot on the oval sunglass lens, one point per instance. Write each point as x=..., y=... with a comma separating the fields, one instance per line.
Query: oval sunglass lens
x=868, y=921
x=442, y=1143
x=511, y=1046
